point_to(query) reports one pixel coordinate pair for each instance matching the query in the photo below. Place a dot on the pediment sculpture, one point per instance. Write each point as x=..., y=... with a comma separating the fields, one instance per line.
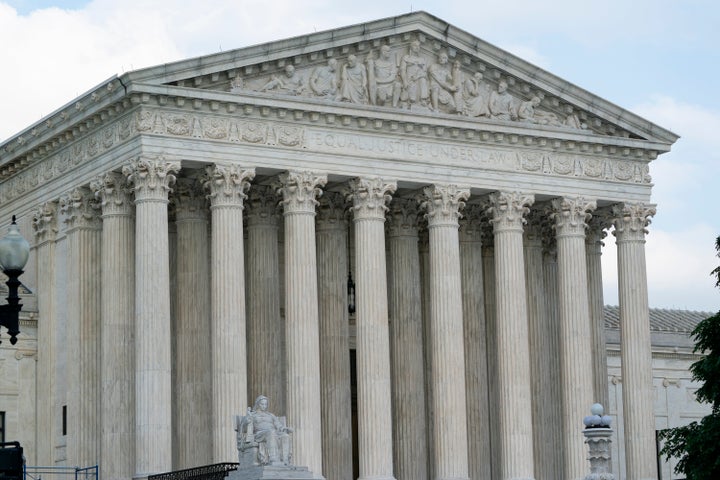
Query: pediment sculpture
x=263, y=438
x=406, y=77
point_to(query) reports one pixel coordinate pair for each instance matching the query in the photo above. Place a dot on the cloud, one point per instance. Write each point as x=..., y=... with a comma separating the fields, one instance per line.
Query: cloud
x=678, y=269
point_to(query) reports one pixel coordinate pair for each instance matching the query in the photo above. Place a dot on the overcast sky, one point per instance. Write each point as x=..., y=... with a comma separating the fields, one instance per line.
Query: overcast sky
x=658, y=58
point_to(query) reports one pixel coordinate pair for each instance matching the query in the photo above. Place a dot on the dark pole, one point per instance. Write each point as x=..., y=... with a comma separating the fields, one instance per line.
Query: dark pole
x=10, y=313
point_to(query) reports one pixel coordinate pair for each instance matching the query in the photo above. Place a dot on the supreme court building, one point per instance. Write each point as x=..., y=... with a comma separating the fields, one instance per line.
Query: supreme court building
x=392, y=230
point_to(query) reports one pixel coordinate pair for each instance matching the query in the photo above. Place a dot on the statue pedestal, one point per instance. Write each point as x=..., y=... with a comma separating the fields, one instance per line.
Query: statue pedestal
x=268, y=472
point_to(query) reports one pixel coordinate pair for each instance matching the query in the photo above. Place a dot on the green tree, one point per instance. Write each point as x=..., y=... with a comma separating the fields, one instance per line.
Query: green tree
x=697, y=445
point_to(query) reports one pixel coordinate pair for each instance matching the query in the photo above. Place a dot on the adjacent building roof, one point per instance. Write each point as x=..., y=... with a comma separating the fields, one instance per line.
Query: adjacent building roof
x=661, y=319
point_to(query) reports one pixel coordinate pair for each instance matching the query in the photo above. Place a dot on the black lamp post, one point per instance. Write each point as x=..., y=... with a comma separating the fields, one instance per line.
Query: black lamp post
x=14, y=252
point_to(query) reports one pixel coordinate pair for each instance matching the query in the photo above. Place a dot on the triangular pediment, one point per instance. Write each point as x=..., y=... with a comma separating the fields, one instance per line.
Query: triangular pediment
x=416, y=63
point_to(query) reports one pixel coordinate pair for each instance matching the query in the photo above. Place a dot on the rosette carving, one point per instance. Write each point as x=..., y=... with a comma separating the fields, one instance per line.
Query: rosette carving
x=631, y=220
x=80, y=209
x=571, y=215
x=370, y=196
x=114, y=194
x=508, y=209
x=152, y=178
x=443, y=204
x=228, y=184
x=300, y=191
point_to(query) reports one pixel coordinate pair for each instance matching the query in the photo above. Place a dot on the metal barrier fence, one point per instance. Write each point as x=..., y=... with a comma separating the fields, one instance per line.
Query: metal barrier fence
x=60, y=473
x=217, y=471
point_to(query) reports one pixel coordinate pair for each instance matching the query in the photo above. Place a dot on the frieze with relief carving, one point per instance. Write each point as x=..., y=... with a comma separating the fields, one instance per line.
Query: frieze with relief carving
x=406, y=77
x=269, y=133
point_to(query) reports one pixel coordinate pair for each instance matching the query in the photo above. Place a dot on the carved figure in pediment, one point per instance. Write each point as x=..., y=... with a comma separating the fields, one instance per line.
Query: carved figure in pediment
x=475, y=97
x=354, y=81
x=573, y=121
x=323, y=81
x=290, y=84
x=237, y=84
x=502, y=104
x=527, y=112
x=445, y=88
x=383, y=79
x=413, y=72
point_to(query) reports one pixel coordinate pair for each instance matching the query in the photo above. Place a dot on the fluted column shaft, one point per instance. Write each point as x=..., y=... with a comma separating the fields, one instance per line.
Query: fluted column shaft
x=117, y=363
x=406, y=342
x=299, y=191
x=507, y=211
x=593, y=247
x=553, y=409
x=540, y=354
x=335, y=390
x=191, y=385
x=83, y=311
x=474, y=332
x=369, y=197
x=424, y=252
x=265, y=328
x=46, y=228
x=152, y=179
x=630, y=222
x=493, y=422
x=570, y=215
x=227, y=185
x=443, y=204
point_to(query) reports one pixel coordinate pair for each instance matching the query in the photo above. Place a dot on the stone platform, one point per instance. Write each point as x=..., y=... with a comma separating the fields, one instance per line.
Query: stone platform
x=270, y=472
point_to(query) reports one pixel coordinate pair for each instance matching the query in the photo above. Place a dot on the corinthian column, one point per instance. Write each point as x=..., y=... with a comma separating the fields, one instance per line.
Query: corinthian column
x=152, y=179
x=227, y=185
x=117, y=362
x=265, y=328
x=474, y=333
x=570, y=215
x=375, y=445
x=593, y=246
x=630, y=222
x=443, y=204
x=406, y=342
x=46, y=228
x=543, y=370
x=335, y=389
x=516, y=442
x=299, y=191
x=83, y=311
x=191, y=385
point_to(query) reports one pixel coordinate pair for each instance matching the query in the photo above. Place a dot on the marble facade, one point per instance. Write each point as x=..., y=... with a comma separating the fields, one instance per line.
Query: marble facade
x=161, y=199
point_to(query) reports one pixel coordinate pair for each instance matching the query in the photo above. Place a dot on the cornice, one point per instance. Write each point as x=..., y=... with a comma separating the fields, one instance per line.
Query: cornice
x=93, y=109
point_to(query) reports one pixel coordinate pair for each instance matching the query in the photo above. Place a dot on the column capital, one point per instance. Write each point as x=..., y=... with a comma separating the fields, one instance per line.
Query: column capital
x=227, y=184
x=601, y=220
x=403, y=216
x=570, y=215
x=80, y=209
x=262, y=206
x=507, y=210
x=536, y=227
x=114, y=194
x=332, y=211
x=152, y=177
x=189, y=199
x=471, y=223
x=369, y=197
x=44, y=222
x=300, y=191
x=443, y=204
x=631, y=221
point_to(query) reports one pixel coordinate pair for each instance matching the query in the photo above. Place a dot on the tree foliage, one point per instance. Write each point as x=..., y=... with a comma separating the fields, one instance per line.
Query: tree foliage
x=697, y=445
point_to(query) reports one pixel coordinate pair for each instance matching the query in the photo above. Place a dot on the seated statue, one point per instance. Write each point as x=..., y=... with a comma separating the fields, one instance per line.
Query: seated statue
x=263, y=438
